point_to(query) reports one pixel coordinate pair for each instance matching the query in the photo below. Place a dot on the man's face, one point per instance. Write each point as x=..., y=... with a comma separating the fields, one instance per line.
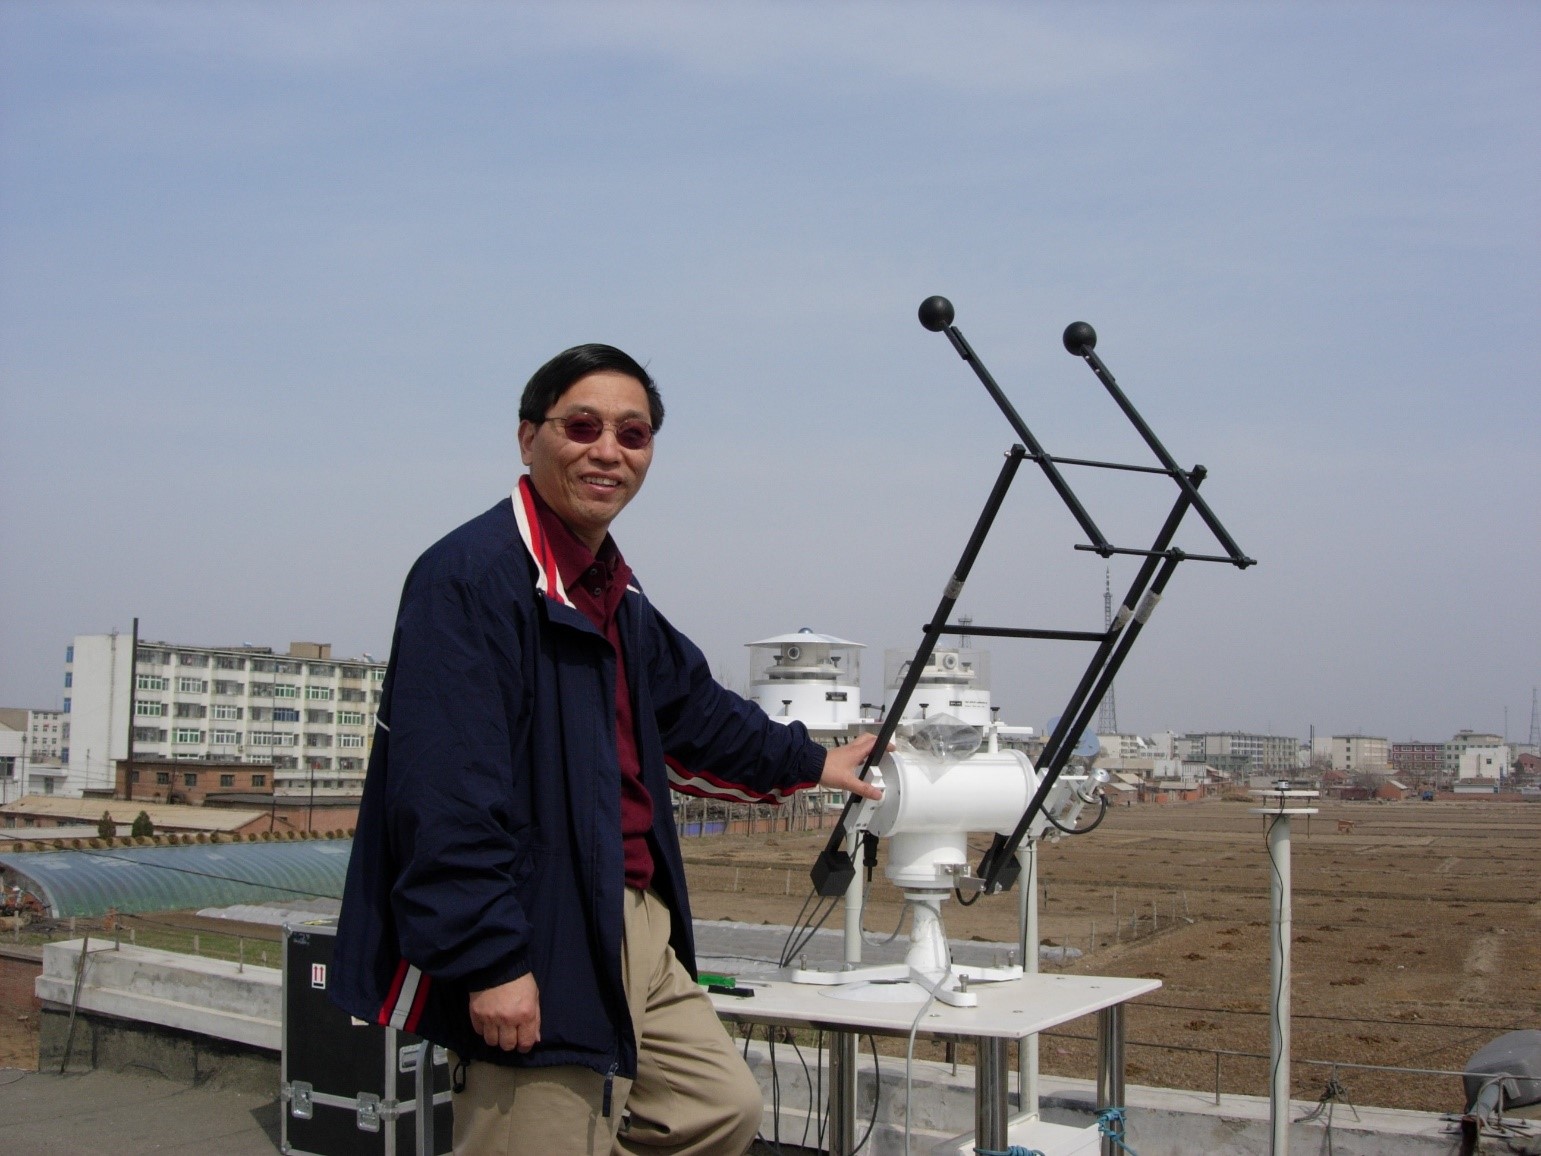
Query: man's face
x=588, y=485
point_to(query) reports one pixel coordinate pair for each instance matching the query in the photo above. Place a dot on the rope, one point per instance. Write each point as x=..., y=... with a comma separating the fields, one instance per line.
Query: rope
x=1014, y=1150
x=1110, y=1122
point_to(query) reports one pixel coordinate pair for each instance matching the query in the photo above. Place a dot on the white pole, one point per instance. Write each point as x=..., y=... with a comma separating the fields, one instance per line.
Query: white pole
x=1027, y=1056
x=1279, y=1035
x=853, y=901
x=1278, y=816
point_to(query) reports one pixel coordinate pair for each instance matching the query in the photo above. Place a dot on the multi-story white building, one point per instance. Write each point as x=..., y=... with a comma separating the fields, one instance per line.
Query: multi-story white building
x=1354, y=753
x=1232, y=749
x=30, y=745
x=1462, y=742
x=1484, y=762
x=311, y=716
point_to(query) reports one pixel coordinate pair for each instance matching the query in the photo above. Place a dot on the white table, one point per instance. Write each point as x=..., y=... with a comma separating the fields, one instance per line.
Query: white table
x=1007, y=1011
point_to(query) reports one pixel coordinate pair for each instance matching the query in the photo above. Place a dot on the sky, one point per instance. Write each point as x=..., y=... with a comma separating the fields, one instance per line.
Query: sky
x=272, y=276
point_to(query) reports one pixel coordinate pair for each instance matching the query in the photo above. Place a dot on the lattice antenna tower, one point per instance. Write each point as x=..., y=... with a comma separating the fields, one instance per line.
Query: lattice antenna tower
x=1535, y=720
x=1107, y=713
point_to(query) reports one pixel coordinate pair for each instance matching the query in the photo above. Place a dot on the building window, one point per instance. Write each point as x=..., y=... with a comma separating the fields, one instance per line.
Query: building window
x=190, y=779
x=353, y=672
x=287, y=667
x=312, y=739
x=318, y=692
x=322, y=669
x=66, y=706
x=378, y=675
x=350, y=718
x=351, y=742
x=350, y=694
x=229, y=662
x=150, y=682
x=262, y=690
x=133, y=776
x=163, y=778
x=186, y=735
x=227, y=738
x=191, y=710
x=149, y=735
x=227, y=780
x=146, y=709
x=187, y=685
x=350, y=764
x=318, y=716
x=226, y=711
x=69, y=678
x=224, y=686
x=317, y=763
x=69, y=654
x=259, y=780
x=286, y=714
x=285, y=690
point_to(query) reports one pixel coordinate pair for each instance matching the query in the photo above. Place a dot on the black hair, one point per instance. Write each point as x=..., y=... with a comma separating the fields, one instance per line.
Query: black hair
x=567, y=368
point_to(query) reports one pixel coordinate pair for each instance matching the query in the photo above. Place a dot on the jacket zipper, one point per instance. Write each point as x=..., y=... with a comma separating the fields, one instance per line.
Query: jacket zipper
x=609, y=1089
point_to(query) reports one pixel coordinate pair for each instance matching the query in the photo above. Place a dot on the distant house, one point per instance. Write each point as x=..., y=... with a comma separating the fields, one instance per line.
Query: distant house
x=1393, y=791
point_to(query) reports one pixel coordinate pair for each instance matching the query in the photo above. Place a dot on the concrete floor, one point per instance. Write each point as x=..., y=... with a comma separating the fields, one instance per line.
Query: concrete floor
x=125, y=1114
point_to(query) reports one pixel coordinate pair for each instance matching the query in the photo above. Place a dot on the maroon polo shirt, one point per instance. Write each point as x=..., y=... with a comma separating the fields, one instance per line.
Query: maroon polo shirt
x=596, y=584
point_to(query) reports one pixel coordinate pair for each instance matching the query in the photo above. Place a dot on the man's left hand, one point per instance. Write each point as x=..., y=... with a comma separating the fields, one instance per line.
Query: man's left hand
x=842, y=764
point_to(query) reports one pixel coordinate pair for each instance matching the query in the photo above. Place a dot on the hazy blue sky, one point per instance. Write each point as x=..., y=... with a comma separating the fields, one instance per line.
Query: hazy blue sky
x=272, y=276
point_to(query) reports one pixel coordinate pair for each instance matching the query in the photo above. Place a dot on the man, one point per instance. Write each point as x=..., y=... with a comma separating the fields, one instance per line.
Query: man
x=516, y=891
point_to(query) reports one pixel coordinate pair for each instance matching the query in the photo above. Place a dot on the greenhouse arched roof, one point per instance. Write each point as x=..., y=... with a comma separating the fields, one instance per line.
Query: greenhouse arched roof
x=137, y=879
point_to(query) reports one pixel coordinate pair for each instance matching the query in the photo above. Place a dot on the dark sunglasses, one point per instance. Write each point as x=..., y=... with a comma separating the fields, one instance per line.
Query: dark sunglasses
x=631, y=433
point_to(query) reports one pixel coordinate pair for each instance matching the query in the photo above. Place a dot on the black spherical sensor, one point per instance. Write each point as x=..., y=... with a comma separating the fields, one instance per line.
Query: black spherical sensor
x=1080, y=338
x=936, y=313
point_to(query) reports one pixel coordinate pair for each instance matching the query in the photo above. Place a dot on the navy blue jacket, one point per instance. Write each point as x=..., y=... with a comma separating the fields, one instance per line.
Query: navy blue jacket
x=489, y=839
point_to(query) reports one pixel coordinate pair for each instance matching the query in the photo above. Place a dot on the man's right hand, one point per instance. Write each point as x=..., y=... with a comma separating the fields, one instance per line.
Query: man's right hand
x=508, y=1016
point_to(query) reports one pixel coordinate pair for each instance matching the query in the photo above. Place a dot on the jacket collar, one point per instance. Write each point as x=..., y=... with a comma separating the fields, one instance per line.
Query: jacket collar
x=547, y=578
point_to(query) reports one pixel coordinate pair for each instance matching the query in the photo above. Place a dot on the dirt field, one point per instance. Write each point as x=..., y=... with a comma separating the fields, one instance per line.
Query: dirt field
x=1417, y=935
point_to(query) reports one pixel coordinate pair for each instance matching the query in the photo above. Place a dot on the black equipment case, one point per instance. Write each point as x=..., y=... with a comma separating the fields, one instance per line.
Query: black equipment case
x=348, y=1086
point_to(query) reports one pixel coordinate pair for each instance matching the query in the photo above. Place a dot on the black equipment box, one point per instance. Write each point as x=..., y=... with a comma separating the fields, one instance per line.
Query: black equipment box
x=348, y=1086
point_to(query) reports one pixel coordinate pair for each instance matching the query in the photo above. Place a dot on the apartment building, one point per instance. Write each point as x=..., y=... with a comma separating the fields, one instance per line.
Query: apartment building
x=1235, y=750
x=30, y=744
x=1355, y=753
x=1419, y=759
x=1459, y=744
x=308, y=714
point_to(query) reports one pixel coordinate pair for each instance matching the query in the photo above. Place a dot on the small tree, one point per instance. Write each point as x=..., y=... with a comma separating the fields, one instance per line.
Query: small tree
x=142, y=827
x=105, y=827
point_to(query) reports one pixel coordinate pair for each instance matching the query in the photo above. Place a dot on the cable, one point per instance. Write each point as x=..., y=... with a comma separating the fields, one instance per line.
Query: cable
x=210, y=875
x=792, y=950
x=903, y=908
x=807, y=1075
x=877, y=1093
x=909, y=1058
x=1102, y=813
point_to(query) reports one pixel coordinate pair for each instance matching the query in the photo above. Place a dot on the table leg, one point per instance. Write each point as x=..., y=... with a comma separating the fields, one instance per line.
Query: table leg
x=991, y=1106
x=842, y=1093
x=1110, y=1066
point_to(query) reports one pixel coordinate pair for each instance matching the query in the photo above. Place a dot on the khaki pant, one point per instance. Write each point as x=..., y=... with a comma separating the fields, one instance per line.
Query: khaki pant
x=693, y=1095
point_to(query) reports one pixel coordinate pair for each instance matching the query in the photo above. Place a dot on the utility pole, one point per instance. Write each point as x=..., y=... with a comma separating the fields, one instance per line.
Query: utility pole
x=133, y=686
x=1107, y=713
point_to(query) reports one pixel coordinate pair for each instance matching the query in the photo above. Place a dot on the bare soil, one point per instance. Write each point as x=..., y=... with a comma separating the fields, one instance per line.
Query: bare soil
x=1416, y=937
